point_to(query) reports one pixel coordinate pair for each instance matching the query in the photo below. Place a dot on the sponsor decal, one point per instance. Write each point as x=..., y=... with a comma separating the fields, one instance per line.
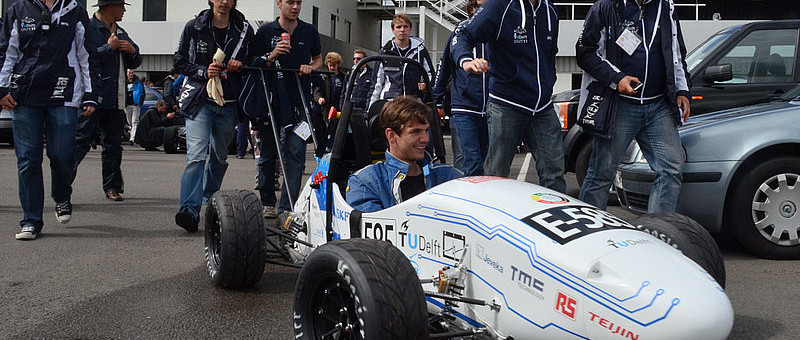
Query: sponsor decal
x=527, y=282
x=549, y=198
x=341, y=215
x=421, y=244
x=615, y=329
x=566, y=305
x=483, y=256
x=380, y=229
x=520, y=35
x=564, y=224
x=626, y=243
x=479, y=179
x=453, y=245
x=201, y=47
x=61, y=85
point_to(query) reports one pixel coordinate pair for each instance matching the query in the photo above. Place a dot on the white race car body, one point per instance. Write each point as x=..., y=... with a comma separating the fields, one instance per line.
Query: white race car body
x=548, y=266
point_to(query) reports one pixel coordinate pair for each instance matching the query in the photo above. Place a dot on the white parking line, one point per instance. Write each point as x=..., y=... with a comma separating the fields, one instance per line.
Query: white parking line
x=523, y=171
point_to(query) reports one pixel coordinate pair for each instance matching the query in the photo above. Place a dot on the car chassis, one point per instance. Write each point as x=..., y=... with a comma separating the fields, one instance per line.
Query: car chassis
x=477, y=257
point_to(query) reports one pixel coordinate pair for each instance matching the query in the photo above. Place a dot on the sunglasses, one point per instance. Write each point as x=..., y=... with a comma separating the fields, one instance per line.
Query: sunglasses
x=357, y=58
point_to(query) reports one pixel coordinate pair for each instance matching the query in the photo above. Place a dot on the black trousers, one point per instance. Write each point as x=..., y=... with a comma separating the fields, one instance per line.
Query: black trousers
x=110, y=124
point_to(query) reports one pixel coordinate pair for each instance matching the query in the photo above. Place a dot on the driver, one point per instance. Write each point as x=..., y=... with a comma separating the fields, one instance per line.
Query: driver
x=407, y=170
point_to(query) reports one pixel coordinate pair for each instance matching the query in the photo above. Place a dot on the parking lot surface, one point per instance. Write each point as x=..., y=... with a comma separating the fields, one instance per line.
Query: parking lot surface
x=123, y=270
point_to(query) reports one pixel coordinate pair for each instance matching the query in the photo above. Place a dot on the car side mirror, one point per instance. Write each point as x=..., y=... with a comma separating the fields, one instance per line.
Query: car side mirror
x=722, y=72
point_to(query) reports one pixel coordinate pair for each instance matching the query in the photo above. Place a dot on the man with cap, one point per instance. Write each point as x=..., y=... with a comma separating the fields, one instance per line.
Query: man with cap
x=115, y=52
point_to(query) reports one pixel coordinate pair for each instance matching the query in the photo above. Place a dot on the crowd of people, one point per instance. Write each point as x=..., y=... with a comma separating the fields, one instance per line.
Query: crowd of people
x=75, y=82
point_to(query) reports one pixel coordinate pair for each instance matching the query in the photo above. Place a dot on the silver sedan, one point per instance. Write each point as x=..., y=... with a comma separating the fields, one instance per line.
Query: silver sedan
x=740, y=175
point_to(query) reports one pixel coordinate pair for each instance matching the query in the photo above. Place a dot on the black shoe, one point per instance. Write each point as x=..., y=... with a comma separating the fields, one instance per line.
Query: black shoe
x=185, y=219
x=64, y=212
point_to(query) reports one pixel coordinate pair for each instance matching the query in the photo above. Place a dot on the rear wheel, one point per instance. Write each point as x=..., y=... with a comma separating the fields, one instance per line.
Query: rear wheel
x=763, y=209
x=171, y=139
x=359, y=289
x=685, y=234
x=235, y=239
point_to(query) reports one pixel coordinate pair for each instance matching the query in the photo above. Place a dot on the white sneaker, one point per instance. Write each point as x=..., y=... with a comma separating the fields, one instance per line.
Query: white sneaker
x=269, y=212
x=27, y=233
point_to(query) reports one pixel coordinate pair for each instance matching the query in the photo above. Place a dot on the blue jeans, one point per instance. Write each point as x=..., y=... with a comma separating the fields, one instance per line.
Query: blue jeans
x=209, y=133
x=473, y=139
x=458, y=156
x=242, y=137
x=30, y=125
x=654, y=127
x=541, y=132
x=293, y=149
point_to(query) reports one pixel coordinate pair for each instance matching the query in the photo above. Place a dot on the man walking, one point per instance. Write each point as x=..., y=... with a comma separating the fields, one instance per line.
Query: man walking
x=210, y=121
x=523, y=39
x=391, y=82
x=134, y=98
x=113, y=57
x=302, y=51
x=644, y=46
x=44, y=79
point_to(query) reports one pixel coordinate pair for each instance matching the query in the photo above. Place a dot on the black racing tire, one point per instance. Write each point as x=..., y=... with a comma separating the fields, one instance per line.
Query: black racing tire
x=685, y=234
x=171, y=139
x=763, y=212
x=366, y=286
x=235, y=239
x=582, y=168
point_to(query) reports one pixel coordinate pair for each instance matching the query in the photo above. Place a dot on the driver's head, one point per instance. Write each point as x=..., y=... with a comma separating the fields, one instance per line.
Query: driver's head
x=405, y=125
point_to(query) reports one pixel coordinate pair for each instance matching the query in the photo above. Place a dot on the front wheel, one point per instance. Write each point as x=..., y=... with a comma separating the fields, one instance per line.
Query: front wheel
x=763, y=209
x=685, y=234
x=359, y=289
x=235, y=239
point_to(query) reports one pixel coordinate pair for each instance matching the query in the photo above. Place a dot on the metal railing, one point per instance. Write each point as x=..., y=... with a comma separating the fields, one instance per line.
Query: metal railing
x=572, y=6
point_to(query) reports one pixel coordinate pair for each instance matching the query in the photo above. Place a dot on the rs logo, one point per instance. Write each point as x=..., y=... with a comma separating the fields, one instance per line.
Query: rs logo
x=566, y=305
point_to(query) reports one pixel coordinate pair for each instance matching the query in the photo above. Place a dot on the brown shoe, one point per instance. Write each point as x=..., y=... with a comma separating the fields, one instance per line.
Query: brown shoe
x=114, y=195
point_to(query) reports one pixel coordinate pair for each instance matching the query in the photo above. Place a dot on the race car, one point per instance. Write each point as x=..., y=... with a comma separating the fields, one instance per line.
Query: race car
x=477, y=257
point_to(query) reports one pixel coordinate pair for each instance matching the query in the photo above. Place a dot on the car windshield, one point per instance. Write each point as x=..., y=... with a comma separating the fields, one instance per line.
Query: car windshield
x=701, y=52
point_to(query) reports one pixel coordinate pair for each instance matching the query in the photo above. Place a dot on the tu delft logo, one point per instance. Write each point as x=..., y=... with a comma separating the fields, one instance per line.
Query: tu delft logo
x=520, y=35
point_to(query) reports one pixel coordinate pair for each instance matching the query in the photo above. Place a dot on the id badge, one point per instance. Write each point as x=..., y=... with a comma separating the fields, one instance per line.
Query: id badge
x=629, y=41
x=303, y=130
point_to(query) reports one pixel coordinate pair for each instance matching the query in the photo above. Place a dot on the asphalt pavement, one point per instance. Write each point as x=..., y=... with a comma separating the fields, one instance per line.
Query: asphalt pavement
x=123, y=270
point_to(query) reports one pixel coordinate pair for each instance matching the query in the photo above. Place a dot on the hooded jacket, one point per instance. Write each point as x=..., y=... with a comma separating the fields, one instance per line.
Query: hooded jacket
x=401, y=80
x=601, y=58
x=107, y=61
x=47, y=67
x=468, y=92
x=377, y=186
x=523, y=40
x=197, y=47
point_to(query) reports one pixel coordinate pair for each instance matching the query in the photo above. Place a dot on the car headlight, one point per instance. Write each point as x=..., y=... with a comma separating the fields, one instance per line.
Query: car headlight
x=562, y=109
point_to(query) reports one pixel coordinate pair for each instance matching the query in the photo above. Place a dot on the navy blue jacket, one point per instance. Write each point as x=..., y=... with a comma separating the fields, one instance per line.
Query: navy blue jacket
x=605, y=62
x=107, y=62
x=197, y=47
x=402, y=81
x=47, y=68
x=524, y=43
x=362, y=87
x=468, y=92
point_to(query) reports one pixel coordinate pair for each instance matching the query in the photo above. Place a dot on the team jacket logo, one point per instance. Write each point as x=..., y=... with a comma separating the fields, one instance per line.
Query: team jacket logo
x=201, y=47
x=27, y=24
x=520, y=35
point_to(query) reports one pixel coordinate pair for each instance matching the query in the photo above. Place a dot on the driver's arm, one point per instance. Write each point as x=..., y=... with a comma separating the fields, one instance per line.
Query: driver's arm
x=361, y=195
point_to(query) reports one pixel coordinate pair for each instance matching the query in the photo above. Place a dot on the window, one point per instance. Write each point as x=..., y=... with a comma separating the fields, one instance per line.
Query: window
x=764, y=56
x=333, y=26
x=347, y=26
x=155, y=10
x=315, y=17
